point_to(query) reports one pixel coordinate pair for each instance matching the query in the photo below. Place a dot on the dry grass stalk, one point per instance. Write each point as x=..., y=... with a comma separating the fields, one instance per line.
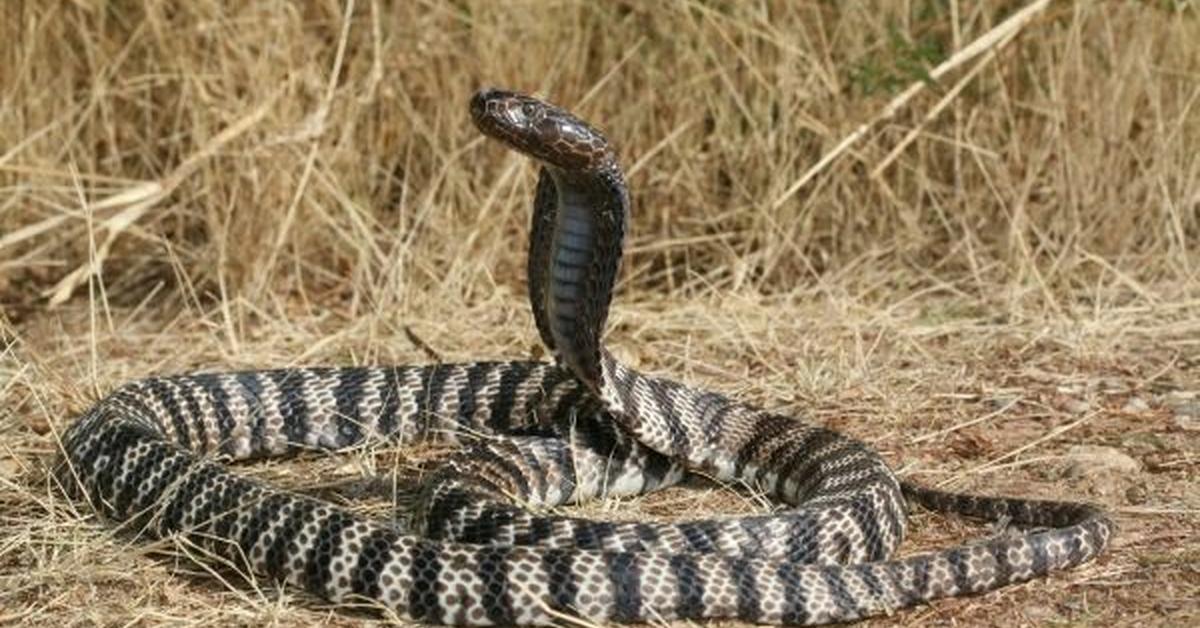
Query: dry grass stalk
x=999, y=265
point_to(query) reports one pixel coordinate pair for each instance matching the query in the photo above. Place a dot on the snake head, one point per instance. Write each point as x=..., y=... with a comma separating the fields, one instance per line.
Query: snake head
x=540, y=130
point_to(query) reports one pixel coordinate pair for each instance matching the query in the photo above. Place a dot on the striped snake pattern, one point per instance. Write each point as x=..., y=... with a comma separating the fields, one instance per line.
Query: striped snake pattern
x=483, y=544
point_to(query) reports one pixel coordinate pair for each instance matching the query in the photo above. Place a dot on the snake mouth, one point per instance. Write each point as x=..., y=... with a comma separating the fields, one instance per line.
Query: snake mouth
x=540, y=130
x=480, y=103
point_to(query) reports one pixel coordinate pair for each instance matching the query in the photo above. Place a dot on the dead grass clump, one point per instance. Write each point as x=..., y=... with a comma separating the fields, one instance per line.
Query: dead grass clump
x=305, y=148
x=978, y=259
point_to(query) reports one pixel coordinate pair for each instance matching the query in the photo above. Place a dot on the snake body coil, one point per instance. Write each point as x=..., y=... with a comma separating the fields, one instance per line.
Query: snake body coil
x=587, y=427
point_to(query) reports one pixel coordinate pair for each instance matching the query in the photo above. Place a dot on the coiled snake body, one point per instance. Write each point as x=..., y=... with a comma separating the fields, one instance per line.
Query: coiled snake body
x=585, y=427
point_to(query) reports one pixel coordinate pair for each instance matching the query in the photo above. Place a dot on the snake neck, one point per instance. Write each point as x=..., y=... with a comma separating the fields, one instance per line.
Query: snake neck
x=578, y=234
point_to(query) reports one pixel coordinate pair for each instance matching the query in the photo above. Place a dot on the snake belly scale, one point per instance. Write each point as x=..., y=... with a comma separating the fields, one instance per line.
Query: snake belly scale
x=153, y=454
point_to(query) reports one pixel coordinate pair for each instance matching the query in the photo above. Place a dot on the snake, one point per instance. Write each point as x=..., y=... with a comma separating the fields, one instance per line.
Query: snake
x=485, y=542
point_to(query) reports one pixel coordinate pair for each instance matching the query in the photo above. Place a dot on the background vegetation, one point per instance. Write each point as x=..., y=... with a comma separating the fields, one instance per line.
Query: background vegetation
x=1008, y=235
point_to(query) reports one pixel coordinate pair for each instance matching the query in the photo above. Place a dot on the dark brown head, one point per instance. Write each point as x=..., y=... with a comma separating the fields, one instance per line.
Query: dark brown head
x=540, y=130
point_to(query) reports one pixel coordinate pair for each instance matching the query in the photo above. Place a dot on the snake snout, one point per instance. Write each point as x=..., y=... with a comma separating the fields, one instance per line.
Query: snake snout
x=484, y=109
x=487, y=98
x=479, y=102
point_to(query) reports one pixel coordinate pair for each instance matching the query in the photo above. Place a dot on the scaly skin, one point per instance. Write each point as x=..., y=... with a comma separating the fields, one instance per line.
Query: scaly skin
x=539, y=435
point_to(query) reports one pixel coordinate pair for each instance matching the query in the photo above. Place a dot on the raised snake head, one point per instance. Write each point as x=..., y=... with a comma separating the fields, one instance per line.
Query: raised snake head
x=540, y=130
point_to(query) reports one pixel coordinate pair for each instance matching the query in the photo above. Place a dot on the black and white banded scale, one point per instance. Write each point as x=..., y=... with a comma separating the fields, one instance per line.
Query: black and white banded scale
x=535, y=435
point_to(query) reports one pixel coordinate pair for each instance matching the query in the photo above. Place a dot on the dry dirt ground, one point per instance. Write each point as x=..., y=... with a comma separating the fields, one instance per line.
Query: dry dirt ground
x=1101, y=405
x=965, y=232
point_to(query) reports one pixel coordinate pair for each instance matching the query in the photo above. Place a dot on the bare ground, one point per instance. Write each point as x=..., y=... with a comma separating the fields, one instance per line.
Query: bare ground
x=1097, y=406
x=969, y=241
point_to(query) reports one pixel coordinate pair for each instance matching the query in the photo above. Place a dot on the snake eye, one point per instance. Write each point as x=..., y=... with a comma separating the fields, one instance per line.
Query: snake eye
x=529, y=110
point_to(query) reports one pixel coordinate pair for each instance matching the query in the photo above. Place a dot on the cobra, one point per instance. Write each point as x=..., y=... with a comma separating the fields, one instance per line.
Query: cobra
x=154, y=454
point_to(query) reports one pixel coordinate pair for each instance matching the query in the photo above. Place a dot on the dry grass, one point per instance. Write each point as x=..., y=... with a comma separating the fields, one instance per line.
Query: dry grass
x=202, y=185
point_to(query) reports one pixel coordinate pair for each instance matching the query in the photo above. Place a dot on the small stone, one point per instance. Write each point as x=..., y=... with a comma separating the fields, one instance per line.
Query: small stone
x=1003, y=401
x=10, y=468
x=1186, y=414
x=1187, y=422
x=1041, y=614
x=37, y=424
x=1113, y=385
x=1136, y=494
x=1135, y=405
x=1090, y=459
x=1076, y=406
x=351, y=468
x=1187, y=408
